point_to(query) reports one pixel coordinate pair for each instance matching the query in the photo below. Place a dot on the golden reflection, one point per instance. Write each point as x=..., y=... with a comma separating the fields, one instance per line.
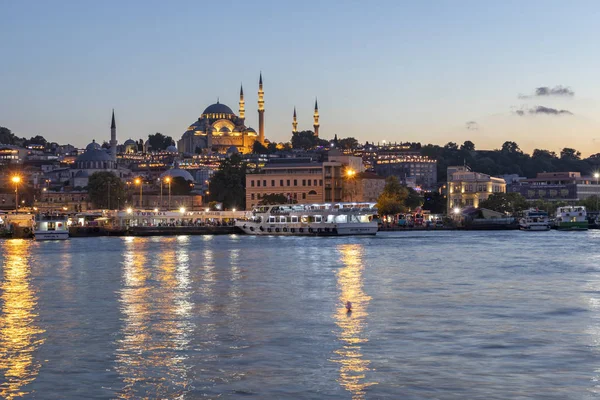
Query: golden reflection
x=353, y=365
x=19, y=333
x=157, y=308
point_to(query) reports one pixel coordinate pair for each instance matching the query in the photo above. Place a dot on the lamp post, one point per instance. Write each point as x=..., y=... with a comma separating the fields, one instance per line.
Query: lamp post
x=161, y=196
x=138, y=181
x=16, y=180
x=168, y=180
x=597, y=175
x=350, y=174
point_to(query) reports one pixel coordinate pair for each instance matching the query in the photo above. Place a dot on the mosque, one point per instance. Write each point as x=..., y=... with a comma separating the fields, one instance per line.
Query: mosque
x=219, y=130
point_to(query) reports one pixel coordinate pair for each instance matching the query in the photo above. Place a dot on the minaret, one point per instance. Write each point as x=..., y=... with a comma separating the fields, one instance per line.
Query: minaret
x=113, y=137
x=242, y=104
x=261, y=111
x=294, y=123
x=316, y=119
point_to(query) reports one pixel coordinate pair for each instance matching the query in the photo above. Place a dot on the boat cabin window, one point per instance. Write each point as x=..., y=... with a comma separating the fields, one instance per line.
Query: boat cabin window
x=282, y=219
x=271, y=219
x=294, y=219
x=318, y=218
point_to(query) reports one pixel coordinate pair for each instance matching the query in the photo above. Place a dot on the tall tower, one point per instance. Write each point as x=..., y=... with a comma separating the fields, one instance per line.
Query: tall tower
x=113, y=137
x=261, y=111
x=242, y=104
x=316, y=119
x=294, y=123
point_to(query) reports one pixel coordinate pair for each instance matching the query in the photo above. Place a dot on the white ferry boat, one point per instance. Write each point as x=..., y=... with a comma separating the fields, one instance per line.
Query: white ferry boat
x=50, y=228
x=534, y=220
x=336, y=219
x=571, y=218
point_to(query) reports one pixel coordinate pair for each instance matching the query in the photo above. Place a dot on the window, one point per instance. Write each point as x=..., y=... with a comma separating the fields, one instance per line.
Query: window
x=309, y=182
x=252, y=183
x=315, y=182
x=320, y=182
x=295, y=182
x=303, y=196
x=272, y=182
x=303, y=182
x=265, y=183
x=288, y=182
x=312, y=192
x=281, y=182
x=252, y=196
x=258, y=183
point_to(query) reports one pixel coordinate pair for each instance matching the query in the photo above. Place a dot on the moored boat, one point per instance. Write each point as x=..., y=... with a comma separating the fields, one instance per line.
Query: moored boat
x=534, y=220
x=571, y=218
x=330, y=219
x=50, y=228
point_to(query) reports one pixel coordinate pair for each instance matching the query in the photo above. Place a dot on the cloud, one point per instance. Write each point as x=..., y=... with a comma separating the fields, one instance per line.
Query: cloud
x=542, y=110
x=472, y=126
x=543, y=91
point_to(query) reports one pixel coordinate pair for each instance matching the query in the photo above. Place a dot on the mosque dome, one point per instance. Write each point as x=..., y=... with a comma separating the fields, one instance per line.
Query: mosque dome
x=130, y=142
x=172, y=149
x=218, y=108
x=177, y=172
x=93, y=146
x=94, y=155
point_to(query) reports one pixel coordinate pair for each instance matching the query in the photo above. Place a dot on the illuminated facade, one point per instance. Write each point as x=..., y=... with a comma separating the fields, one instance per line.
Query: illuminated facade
x=468, y=188
x=220, y=130
x=409, y=167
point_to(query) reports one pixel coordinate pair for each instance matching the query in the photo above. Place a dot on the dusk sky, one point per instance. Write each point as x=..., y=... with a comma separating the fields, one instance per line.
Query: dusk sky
x=430, y=71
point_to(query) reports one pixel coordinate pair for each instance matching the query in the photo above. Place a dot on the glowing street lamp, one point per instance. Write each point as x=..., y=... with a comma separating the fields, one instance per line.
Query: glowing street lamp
x=129, y=210
x=456, y=210
x=138, y=181
x=16, y=180
x=168, y=180
x=182, y=210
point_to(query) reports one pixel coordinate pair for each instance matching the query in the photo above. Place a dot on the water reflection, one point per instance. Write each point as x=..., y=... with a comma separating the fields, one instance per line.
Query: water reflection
x=152, y=356
x=353, y=364
x=19, y=333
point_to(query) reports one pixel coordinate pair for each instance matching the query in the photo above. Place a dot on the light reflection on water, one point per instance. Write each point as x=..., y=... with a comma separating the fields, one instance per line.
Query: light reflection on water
x=353, y=363
x=20, y=335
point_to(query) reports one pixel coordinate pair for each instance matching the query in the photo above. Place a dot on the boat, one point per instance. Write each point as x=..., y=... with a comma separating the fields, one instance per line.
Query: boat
x=328, y=219
x=571, y=218
x=51, y=227
x=534, y=220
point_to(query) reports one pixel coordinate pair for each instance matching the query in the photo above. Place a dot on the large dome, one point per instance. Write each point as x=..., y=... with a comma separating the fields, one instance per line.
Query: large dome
x=94, y=155
x=217, y=108
x=177, y=172
x=93, y=146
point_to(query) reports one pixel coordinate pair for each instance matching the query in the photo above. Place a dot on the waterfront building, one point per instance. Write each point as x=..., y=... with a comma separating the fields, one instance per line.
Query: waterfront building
x=300, y=180
x=364, y=187
x=557, y=186
x=408, y=167
x=218, y=128
x=63, y=201
x=469, y=188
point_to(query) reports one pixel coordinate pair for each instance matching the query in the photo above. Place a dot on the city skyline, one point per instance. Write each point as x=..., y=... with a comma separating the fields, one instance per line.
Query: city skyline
x=397, y=72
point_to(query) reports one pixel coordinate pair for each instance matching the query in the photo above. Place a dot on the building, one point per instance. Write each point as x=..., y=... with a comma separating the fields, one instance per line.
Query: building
x=94, y=159
x=408, y=168
x=73, y=201
x=219, y=128
x=300, y=180
x=468, y=188
x=10, y=154
x=557, y=186
x=363, y=187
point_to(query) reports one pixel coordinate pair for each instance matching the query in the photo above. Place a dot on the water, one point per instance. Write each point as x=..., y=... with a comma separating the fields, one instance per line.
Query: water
x=437, y=315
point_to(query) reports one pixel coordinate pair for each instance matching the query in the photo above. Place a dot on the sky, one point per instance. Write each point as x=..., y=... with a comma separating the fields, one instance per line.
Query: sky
x=428, y=71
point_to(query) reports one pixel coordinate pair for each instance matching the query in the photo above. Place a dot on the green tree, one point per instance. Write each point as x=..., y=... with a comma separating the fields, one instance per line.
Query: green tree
x=591, y=203
x=259, y=148
x=348, y=143
x=106, y=190
x=434, y=202
x=306, y=140
x=468, y=146
x=181, y=187
x=392, y=200
x=510, y=203
x=228, y=184
x=158, y=141
x=273, y=198
x=570, y=154
x=414, y=199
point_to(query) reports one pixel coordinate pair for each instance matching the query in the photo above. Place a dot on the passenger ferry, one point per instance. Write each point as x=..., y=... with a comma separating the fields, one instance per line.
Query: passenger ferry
x=571, y=218
x=534, y=220
x=50, y=228
x=336, y=219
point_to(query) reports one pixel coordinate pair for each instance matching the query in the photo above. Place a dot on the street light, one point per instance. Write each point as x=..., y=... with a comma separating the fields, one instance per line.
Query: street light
x=168, y=180
x=596, y=175
x=138, y=181
x=16, y=180
x=182, y=210
x=350, y=173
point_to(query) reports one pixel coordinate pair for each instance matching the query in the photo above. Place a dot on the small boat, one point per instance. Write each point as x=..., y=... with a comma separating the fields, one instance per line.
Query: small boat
x=330, y=219
x=534, y=220
x=571, y=218
x=51, y=228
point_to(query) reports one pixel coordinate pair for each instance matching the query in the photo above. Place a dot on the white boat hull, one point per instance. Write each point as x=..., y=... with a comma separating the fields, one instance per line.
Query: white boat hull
x=316, y=229
x=534, y=227
x=51, y=235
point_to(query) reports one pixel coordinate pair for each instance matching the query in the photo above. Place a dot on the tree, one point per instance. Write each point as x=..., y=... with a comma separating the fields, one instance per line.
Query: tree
x=591, y=203
x=468, y=146
x=106, y=190
x=570, y=154
x=228, y=184
x=158, y=141
x=259, y=148
x=348, y=143
x=306, y=140
x=181, y=187
x=511, y=147
x=273, y=198
x=391, y=200
x=505, y=203
x=414, y=199
x=434, y=202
